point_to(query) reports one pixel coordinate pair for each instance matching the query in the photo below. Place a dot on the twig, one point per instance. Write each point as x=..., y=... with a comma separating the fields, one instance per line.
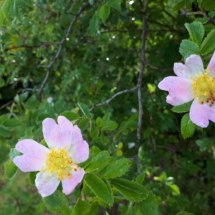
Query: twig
x=111, y=98
x=60, y=49
x=24, y=46
x=7, y=104
x=139, y=84
x=158, y=68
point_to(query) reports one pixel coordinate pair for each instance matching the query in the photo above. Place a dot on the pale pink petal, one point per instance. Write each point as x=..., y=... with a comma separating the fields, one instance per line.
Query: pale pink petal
x=79, y=150
x=27, y=163
x=180, y=90
x=200, y=114
x=211, y=65
x=60, y=135
x=46, y=184
x=48, y=125
x=182, y=70
x=70, y=184
x=194, y=62
x=212, y=113
x=34, y=155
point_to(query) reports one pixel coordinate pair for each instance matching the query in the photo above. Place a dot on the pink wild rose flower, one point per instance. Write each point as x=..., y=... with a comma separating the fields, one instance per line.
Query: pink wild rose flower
x=193, y=83
x=57, y=163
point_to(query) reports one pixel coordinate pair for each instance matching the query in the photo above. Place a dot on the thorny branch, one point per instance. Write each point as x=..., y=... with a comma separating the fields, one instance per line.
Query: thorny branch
x=60, y=49
x=111, y=98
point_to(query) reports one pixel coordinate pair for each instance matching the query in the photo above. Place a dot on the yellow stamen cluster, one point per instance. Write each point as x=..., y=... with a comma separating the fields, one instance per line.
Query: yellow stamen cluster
x=59, y=162
x=203, y=88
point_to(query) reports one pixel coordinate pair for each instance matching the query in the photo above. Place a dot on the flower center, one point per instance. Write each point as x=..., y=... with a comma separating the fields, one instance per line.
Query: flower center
x=203, y=88
x=58, y=161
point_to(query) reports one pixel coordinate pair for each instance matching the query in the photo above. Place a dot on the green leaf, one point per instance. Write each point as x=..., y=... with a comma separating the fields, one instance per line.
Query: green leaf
x=91, y=1
x=182, y=108
x=13, y=153
x=178, y=6
x=104, y=12
x=148, y=206
x=2, y=18
x=132, y=191
x=175, y=189
x=81, y=207
x=116, y=169
x=7, y=8
x=188, y=48
x=140, y=178
x=204, y=144
x=84, y=109
x=99, y=187
x=94, y=24
x=3, y=118
x=196, y=31
x=70, y=115
x=109, y=125
x=209, y=5
x=28, y=2
x=187, y=126
x=57, y=203
x=94, y=208
x=101, y=160
x=115, y=4
x=4, y=132
x=12, y=123
x=2, y=82
x=32, y=103
x=83, y=123
x=32, y=177
x=10, y=169
x=183, y=213
x=208, y=44
x=99, y=122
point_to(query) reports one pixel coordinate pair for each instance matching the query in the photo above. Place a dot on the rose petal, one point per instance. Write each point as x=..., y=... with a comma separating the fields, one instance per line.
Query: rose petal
x=79, y=150
x=70, y=184
x=194, y=62
x=48, y=125
x=211, y=65
x=58, y=135
x=180, y=90
x=34, y=155
x=46, y=184
x=182, y=70
x=200, y=114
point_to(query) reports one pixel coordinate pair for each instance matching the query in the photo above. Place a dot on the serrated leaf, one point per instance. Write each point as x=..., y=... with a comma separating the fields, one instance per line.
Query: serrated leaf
x=140, y=178
x=83, y=123
x=57, y=203
x=4, y=132
x=99, y=188
x=10, y=169
x=12, y=123
x=84, y=109
x=196, y=31
x=208, y=5
x=132, y=191
x=81, y=207
x=182, y=108
x=208, y=44
x=116, y=169
x=101, y=160
x=70, y=115
x=94, y=24
x=104, y=12
x=148, y=206
x=188, y=48
x=115, y=4
x=187, y=126
x=178, y=6
x=128, y=210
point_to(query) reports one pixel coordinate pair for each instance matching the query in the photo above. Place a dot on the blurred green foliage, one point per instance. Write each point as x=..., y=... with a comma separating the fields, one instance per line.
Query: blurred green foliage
x=101, y=57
